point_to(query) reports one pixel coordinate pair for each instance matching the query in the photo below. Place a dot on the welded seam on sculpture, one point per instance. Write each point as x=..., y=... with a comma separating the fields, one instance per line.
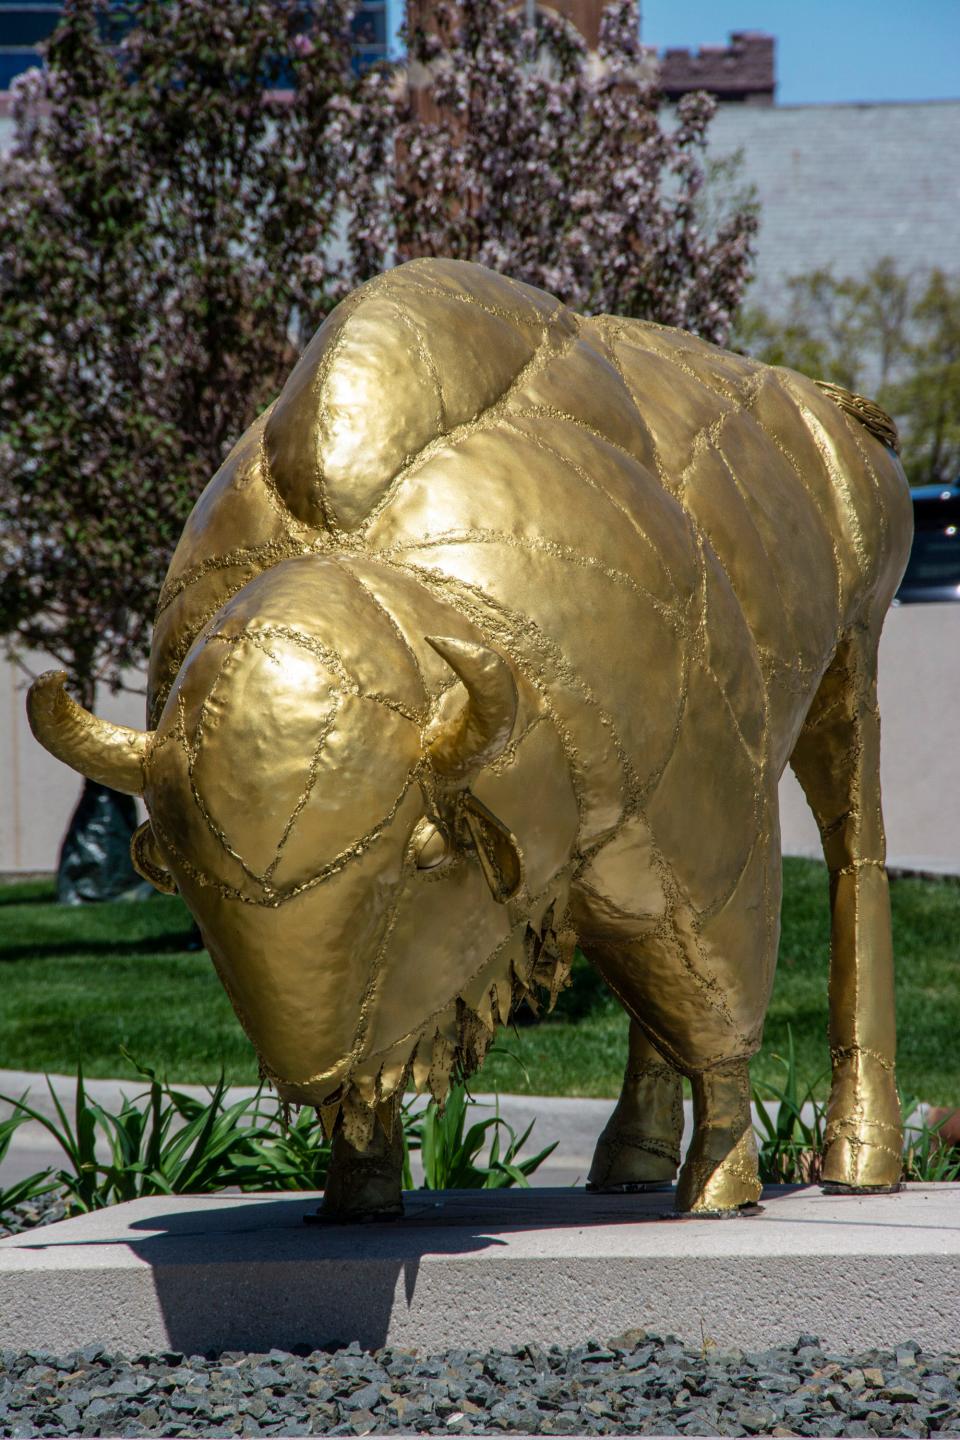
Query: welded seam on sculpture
x=332, y=867
x=318, y=381
x=488, y=614
x=192, y=751
x=274, y=499
x=409, y=866
x=815, y=496
x=524, y=405
x=332, y=659
x=706, y=982
x=373, y=974
x=532, y=545
x=419, y=1034
x=430, y=365
x=886, y=533
x=658, y=460
x=312, y=773
x=551, y=413
x=549, y=346
x=219, y=834
x=657, y=359
x=445, y=1021
x=838, y=480
x=281, y=549
x=533, y=317
x=541, y=410
x=760, y=765
x=342, y=564
x=505, y=623
x=839, y=488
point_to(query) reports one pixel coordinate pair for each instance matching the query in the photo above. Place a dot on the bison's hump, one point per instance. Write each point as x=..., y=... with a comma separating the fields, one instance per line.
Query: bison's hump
x=406, y=359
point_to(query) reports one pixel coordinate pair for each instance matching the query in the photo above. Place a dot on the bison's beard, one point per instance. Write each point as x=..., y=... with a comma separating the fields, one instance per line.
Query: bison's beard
x=532, y=965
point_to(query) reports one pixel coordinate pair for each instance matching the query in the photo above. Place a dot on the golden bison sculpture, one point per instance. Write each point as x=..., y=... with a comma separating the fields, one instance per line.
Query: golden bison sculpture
x=494, y=634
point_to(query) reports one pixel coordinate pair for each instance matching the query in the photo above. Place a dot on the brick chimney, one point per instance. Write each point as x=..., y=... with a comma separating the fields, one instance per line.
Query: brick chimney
x=742, y=72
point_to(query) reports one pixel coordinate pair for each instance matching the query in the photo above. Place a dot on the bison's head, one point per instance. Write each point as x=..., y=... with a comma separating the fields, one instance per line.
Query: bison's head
x=311, y=791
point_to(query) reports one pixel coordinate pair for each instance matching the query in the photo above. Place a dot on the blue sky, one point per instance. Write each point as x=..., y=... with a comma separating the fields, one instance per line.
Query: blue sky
x=827, y=50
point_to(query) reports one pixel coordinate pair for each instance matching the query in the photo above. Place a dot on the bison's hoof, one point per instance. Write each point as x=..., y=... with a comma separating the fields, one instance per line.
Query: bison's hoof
x=831, y=1187
x=709, y=1185
x=333, y=1215
x=863, y=1144
x=852, y=1165
x=624, y=1160
x=364, y=1185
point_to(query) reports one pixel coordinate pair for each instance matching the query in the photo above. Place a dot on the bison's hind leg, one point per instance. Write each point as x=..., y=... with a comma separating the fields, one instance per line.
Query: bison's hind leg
x=837, y=761
x=640, y=1144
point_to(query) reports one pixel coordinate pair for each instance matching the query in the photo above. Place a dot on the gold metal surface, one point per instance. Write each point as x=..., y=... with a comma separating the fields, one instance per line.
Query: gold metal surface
x=109, y=754
x=652, y=574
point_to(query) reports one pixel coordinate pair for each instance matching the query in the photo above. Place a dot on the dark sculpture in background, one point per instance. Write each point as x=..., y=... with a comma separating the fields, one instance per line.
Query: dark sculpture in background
x=495, y=633
x=94, y=862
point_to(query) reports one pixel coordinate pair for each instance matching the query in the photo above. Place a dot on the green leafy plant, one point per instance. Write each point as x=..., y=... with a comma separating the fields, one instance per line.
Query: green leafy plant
x=166, y=1142
x=451, y=1153
x=171, y=1144
x=927, y=1157
x=790, y=1145
x=31, y=1187
x=292, y=1155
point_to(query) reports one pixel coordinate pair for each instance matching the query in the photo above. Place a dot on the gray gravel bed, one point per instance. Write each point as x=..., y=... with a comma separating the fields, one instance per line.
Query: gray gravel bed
x=44, y=1210
x=633, y=1384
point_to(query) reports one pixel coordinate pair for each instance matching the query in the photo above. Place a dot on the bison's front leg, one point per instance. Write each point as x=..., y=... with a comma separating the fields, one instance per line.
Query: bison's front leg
x=365, y=1184
x=640, y=1145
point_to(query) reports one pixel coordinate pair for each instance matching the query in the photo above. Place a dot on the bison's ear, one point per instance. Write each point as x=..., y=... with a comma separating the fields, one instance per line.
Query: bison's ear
x=496, y=847
x=149, y=860
x=476, y=736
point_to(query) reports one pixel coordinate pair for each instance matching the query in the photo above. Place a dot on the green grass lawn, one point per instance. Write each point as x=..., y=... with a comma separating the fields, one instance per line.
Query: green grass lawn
x=82, y=982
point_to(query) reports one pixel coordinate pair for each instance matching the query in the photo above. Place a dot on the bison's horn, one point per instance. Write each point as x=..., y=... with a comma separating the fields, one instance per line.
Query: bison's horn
x=481, y=729
x=110, y=754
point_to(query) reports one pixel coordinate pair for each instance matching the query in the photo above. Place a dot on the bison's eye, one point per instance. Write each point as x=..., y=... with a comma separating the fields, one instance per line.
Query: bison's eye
x=430, y=845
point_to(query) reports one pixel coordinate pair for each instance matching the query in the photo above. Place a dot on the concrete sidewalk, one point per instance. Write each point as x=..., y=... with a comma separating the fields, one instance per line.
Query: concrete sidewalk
x=199, y=1273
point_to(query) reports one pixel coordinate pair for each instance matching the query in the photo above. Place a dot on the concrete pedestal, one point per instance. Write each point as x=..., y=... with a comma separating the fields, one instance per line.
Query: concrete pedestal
x=488, y=1268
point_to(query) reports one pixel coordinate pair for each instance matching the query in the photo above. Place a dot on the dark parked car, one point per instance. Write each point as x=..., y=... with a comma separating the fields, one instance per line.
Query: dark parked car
x=933, y=570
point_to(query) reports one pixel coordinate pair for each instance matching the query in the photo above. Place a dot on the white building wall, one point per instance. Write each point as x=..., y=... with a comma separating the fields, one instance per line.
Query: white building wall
x=38, y=793
x=919, y=693
x=842, y=186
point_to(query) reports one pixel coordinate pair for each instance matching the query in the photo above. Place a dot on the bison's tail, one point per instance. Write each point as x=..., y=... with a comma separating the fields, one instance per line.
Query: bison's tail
x=877, y=421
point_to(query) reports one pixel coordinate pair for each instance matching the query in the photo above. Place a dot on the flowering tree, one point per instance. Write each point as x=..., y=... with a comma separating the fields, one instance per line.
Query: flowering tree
x=194, y=183
x=528, y=154
x=168, y=228
x=166, y=246
x=167, y=225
